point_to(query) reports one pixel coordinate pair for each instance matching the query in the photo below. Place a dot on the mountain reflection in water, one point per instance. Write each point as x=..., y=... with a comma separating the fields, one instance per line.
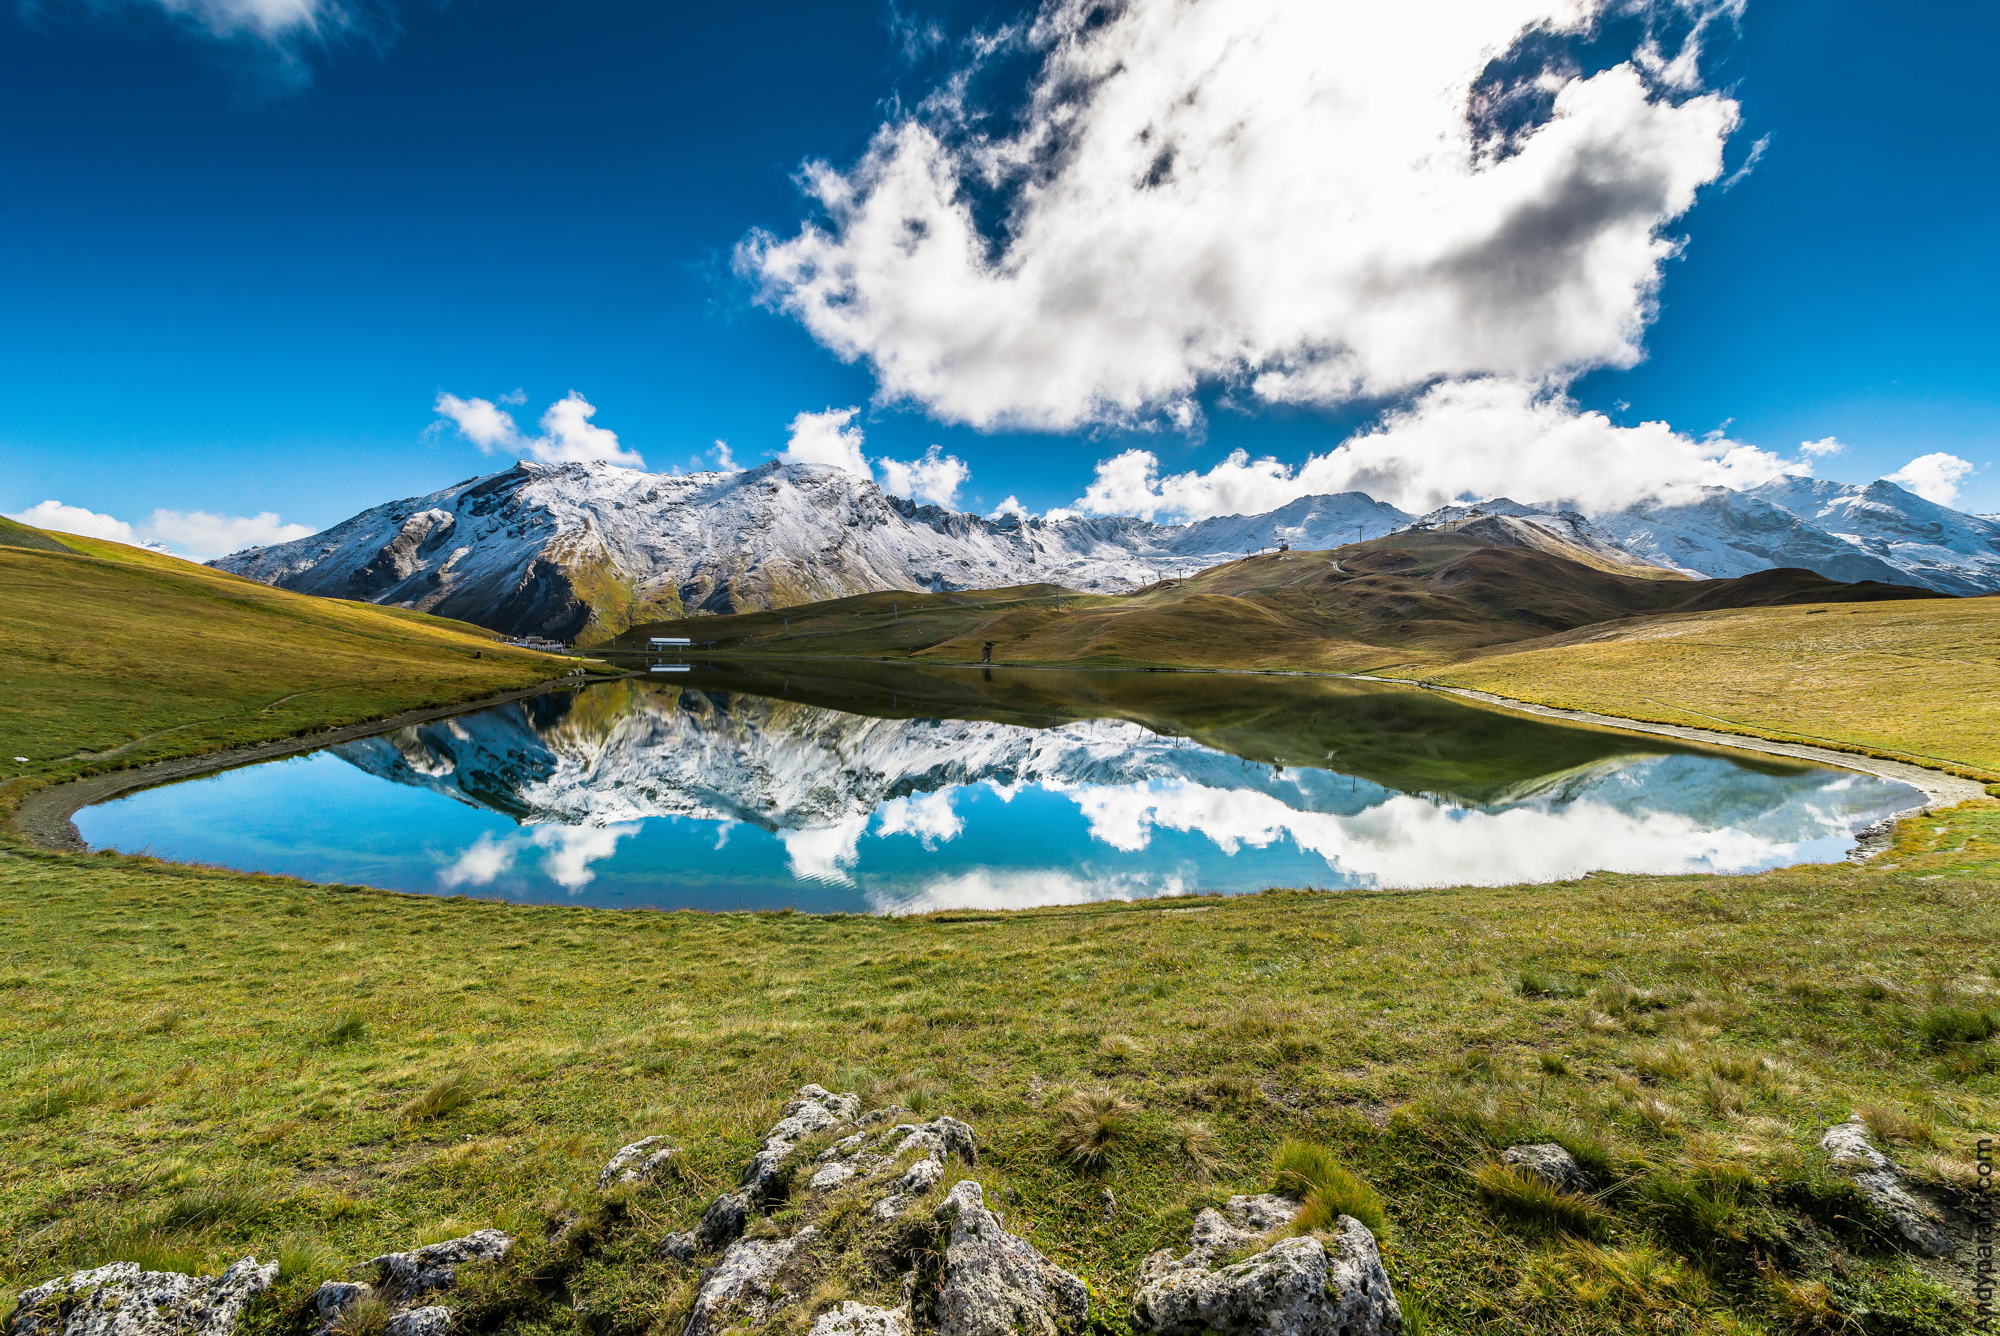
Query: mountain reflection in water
x=862, y=787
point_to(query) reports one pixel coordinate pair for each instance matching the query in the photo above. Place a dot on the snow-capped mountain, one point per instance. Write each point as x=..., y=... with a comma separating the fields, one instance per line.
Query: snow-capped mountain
x=1945, y=549
x=581, y=551
x=585, y=550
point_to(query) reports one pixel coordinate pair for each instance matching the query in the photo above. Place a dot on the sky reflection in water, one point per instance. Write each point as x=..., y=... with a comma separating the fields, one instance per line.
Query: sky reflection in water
x=849, y=787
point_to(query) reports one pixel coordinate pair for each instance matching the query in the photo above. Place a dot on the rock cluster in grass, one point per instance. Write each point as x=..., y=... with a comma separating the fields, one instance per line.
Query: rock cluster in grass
x=1880, y=1180
x=1238, y=1276
x=123, y=1300
x=408, y=1285
x=848, y=1222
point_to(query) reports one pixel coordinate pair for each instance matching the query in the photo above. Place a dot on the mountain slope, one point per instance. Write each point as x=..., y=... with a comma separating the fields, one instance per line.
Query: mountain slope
x=583, y=550
x=1464, y=585
x=1930, y=544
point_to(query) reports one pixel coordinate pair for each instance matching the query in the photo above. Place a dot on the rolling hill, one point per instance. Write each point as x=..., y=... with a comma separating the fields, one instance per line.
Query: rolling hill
x=111, y=655
x=1460, y=586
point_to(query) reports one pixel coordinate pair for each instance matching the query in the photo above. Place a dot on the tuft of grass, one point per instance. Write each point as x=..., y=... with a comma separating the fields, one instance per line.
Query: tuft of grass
x=346, y=1027
x=1523, y=1196
x=1326, y=1189
x=1090, y=1124
x=453, y=1092
x=1200, y=1149
x=1945, y=1026
x=366, y=1316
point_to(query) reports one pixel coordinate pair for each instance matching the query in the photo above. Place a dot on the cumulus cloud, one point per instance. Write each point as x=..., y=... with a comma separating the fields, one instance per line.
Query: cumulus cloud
x=1460, y=439
x=198, y=535
x=829, y=437
x=832, y=438
x=568, y=435
x=935, y=478
x=1822, y=448
x=1314, y=202
x=569, y=855
x=1934, y=477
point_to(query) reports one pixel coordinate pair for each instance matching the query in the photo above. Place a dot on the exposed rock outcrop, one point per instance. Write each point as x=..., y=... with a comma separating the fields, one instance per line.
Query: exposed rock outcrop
x=1306, y=1285
x=995, y=1284
x=1550, y=1163
x=123, y=1300
x=743, y=1287
x=644, y=1161
x=1880, y=1179
x=402, y=1279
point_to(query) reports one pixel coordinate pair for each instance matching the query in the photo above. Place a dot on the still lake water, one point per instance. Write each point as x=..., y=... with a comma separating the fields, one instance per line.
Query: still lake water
x=862, y=788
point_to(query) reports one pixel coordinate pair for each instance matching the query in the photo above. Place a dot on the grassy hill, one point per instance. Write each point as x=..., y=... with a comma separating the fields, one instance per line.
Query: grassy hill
x=112, y=655
x=1916, y=680
x=196, y=1064
x=1437, y=592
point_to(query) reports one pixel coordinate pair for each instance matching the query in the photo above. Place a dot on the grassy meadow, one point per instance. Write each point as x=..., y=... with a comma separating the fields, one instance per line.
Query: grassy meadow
x=196, y=1064
x=112, y=656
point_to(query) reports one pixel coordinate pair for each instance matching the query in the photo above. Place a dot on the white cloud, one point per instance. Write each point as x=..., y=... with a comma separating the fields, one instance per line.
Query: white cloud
x=267, y=19
x=198, y=535
x=1823, y=447
x=1477, y=438
x=825, y=854
x=1934, y=477
x=723, y=457
x=935, y=478
x=927, y=816
x=568, y=855
x=826, y=438
x=568, y=435
x=1007, y=888
x=832, y=438
x=1283, y=194
x=1011, y=508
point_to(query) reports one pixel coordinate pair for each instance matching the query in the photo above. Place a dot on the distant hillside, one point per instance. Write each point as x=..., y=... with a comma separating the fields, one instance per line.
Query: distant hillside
x=16, y=534
x=113, y=655
x=1459, y=586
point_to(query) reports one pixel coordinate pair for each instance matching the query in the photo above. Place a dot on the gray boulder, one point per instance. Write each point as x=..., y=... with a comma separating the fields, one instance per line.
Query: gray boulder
x=122, y=1300
x=406, y=1275
x=742, y=1288
x=1550, y=1163
x=429, y=1320
x=335, y=1297
x=994, y=1284
x=1296, y=1287
x=1880, y=1179
x=853, y=1319
x=641, y=1162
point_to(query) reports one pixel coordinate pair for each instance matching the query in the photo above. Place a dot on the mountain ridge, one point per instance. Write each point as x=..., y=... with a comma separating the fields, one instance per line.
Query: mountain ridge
x=584, y=551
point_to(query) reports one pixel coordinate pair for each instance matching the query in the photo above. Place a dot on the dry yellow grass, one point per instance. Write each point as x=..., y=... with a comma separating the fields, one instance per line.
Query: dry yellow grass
x=1916, y=680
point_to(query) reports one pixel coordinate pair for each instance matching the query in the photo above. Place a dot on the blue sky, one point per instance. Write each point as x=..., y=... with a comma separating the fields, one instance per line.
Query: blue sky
x=241, y=261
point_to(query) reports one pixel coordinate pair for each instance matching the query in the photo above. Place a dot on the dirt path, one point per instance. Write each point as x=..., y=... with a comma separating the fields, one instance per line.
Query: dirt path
x=43, y=818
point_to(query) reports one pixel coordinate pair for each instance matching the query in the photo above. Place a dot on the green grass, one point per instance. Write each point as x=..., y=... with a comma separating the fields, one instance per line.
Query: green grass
x=111, y=656
x=197, y=1064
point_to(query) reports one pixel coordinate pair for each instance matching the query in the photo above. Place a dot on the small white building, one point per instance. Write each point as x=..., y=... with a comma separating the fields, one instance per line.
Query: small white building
x=669, y=642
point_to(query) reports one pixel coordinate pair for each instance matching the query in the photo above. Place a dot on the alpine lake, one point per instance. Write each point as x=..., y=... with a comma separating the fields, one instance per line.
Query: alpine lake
x=851, y=787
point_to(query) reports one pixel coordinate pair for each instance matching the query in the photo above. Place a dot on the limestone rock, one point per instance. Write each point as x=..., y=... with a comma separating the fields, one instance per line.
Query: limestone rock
x=335, y=1297
x=994, y=1284
x=1550, y=1163
x=641, y=1162
x=1296, y=1287
x=1881, y=1181
x=429, y=1320
x=680, y=1245
x=406, y=1275
x=853, y=1319
x=122, y=1300
x=815, y=1109
x=1241, y=1221
x=742, y=1286
x=723, y=1222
